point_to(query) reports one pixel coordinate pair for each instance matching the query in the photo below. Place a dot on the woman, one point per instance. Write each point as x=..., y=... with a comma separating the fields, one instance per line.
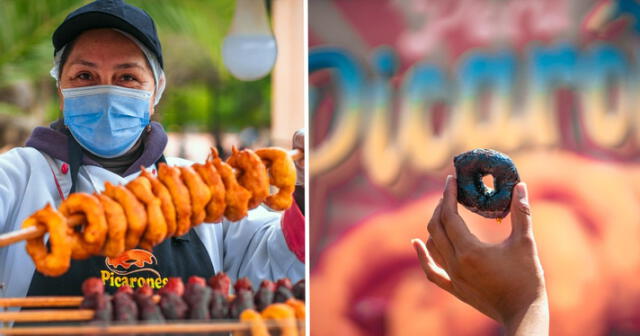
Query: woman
x=109, y=72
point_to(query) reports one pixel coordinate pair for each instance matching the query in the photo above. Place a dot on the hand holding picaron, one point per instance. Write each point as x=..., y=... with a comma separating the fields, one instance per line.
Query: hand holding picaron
x=504, y=281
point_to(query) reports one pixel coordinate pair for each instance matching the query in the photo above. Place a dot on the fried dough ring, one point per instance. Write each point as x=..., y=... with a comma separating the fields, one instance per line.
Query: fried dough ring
x=199, y=192
x=57, y=261
x=300, y=311
x=117, y=222
x=284, y=315
x=94, y=233
x=166, y=203
x=170, y=177
x=156, y=226
x=236, y=197
x=251, y=174
x=78, y=249
x=488, y=202
x=298, y=308
x=215, y=207
x=258, y=327
x=282, y=174
x=133, y=209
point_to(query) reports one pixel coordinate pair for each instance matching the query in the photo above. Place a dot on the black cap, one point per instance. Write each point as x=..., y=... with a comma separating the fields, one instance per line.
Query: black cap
x=109, y=14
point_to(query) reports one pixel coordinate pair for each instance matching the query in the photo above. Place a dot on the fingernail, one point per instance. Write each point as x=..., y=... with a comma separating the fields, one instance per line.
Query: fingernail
x=446, y=184
x=522, y=191
x=414, y=243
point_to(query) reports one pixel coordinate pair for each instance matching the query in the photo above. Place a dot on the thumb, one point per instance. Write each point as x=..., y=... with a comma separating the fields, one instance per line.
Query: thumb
x=520, y=211
x=298, y=143
x=298, y=139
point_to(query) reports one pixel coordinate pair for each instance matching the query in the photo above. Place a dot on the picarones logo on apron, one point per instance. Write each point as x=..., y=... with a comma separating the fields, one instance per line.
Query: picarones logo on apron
x=132, y=268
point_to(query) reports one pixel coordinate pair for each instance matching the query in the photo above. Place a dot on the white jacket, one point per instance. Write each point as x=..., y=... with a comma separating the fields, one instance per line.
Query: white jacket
x=253, y=247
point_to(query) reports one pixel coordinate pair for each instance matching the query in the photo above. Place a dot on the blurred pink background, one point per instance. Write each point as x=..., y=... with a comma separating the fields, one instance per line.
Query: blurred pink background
x=398, y=87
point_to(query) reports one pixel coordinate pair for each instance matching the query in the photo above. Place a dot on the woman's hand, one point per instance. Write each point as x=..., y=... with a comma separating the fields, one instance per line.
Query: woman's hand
x=298, y=143
x=504, y=281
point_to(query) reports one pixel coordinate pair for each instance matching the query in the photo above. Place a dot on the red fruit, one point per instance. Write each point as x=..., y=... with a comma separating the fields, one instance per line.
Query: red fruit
x=125, y=289
x=242, y=301
x=243, y=283
x=197, y=280
x=282, y=294
x=220, y=281
x=173, y=306
x=197, y=298
x=268, y=284
x=174, y=285
x=145, y=290
x=264, y=295
x=299, y=291
x=92, y=286
x=284, y=282
x=219, y=306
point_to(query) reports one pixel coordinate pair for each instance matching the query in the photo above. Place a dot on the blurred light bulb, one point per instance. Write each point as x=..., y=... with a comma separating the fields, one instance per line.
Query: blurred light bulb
x=249, y=50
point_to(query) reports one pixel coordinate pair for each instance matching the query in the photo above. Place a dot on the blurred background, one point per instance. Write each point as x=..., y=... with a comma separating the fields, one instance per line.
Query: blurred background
x=203, y=104
x=399, y=87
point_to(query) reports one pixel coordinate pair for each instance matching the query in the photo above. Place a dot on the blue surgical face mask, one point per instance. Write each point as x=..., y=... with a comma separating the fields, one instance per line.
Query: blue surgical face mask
x=106, y=120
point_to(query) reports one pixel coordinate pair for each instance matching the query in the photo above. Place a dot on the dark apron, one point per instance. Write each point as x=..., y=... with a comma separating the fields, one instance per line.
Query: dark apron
x=175, y=257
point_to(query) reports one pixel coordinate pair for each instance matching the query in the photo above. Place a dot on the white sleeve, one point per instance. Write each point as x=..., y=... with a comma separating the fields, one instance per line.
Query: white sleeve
x=14, y=171
x=255, y=247
x=26, y=185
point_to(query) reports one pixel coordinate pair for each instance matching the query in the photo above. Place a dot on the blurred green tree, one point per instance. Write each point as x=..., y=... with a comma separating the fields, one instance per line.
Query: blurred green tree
x=201, y=95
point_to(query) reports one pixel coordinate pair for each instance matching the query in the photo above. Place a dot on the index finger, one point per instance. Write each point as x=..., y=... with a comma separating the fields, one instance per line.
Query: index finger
x=450, y=195
x=453, y=224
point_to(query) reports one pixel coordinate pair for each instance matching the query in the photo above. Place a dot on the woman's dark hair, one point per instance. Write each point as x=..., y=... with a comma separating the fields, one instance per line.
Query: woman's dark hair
x=65, y=55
